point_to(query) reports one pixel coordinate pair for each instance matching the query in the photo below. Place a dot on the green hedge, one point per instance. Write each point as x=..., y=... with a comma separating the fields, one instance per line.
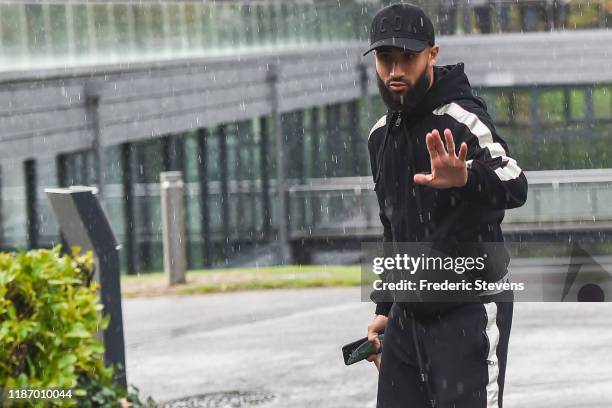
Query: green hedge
x=50, y=311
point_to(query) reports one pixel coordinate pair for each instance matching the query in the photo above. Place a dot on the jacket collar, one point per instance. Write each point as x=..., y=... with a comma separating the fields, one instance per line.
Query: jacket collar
x=450, y=84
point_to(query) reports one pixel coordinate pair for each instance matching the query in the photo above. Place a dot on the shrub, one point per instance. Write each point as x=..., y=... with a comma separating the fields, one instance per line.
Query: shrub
x=50, y=312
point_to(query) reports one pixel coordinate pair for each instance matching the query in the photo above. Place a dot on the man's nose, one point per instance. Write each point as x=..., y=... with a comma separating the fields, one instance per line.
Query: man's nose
x=395, y=69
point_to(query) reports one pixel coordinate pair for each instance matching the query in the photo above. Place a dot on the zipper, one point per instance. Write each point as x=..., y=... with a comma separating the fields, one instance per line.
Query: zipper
x=379, y=164
x=398, y=121
x=417, y=187
x=422, y=374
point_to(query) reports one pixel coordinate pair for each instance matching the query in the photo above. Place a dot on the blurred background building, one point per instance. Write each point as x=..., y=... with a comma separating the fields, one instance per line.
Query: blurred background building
x=111, y=93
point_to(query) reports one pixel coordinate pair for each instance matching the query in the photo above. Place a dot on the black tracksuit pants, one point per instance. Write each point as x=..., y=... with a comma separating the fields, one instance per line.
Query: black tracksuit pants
x=457, y=358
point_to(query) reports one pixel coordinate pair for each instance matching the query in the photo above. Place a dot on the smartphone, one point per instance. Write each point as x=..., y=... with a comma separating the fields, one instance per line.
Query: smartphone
x=360, y=349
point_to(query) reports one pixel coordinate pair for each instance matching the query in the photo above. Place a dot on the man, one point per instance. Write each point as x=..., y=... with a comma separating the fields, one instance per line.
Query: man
x=453, y=356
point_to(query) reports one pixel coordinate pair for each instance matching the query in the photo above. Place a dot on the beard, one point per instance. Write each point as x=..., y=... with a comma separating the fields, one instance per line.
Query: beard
x=408, y=100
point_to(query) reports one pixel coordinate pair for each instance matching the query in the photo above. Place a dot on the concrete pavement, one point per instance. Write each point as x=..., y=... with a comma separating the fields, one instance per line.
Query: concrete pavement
x=287, y=342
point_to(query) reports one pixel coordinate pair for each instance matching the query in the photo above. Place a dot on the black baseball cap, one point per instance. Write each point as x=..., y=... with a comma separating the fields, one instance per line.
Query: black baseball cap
x=401, y=25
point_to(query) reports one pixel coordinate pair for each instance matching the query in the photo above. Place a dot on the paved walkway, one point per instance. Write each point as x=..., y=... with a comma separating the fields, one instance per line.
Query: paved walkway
x=287, y=342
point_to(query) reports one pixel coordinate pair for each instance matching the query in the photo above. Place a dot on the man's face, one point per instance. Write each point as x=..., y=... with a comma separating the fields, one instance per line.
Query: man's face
x=404, y=77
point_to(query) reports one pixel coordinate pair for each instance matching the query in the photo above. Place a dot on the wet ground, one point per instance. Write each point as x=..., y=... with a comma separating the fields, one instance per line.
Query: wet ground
x=281, y=348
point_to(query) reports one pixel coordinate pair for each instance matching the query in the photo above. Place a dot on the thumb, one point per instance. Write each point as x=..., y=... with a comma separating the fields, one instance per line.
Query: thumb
x=376, y=342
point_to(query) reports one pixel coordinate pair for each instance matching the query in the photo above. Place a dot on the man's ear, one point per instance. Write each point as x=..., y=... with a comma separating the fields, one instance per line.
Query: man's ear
x=433, y=54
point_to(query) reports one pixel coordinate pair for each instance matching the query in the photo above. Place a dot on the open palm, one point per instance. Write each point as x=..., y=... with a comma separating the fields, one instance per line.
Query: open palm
x=447, y=168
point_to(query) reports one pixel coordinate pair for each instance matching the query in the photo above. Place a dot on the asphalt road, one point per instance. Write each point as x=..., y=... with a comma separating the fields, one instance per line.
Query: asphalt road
x=287, y=342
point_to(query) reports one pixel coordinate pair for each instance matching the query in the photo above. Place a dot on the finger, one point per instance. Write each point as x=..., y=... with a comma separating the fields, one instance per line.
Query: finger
x=429, y=139
x=424, y=179
x=463, y=151
x=438, y=143
x=450, y=143
x=376, y=342
x=377, y=362
x=372, y=357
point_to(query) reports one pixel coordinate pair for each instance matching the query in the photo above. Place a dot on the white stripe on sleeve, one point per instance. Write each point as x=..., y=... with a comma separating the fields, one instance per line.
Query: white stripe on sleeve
x=484, y=136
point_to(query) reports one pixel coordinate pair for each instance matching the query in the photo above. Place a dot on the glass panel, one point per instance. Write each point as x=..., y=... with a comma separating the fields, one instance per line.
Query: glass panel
x=193, y=26
x=552, y=106
x=157, y=39
x=142, y=28
x=577, y=106
x=522, y=107
x=602, y=102
x=126, y=31
x=102, y=18
x=13, y=208
x=14, y=34
x=122, y=29
x=36, y=29
x=80, y=23
x=58, y=34
x=173, y=28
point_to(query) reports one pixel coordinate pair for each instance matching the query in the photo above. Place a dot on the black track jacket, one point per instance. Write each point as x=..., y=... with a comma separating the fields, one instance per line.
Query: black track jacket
x=417, y=213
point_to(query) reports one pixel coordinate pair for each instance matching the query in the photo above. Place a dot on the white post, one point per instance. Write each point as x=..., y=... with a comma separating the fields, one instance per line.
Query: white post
x=173, y=226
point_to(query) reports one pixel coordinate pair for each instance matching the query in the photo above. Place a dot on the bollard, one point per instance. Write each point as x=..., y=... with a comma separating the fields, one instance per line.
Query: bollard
x=173, y=226
x=85, y=224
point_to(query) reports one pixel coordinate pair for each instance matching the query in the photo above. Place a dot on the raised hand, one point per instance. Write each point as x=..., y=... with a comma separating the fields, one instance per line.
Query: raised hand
x=447, y=169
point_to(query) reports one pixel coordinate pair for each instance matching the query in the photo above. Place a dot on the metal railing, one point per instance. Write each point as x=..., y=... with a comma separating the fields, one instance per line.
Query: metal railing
x=557, y=196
